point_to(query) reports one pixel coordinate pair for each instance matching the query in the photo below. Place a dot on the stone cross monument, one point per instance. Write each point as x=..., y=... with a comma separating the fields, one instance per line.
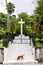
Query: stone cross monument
x=21, y=23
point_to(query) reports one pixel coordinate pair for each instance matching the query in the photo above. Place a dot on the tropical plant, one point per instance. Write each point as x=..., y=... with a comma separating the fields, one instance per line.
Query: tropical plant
x=39, y=13
x=10, y=9
x=39, y=10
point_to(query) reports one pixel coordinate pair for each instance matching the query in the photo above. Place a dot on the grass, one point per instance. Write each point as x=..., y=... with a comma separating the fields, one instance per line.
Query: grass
x=1, y=43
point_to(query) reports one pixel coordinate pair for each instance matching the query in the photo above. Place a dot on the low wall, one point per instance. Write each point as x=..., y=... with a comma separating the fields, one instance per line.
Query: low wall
x=39, y=52
x=1, y=55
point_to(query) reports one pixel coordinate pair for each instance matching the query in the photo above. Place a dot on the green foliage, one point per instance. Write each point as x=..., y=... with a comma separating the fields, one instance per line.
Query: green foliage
x=24, y=17
x=1, y=34
x=38, y=43
x=1, y=43
x=39, y=9
x=39, y=15
x=27, y=30
x=10, y=8
x=3, y=20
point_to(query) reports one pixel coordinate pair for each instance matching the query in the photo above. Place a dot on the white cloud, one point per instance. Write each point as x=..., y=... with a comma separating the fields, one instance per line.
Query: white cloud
x=21, y=6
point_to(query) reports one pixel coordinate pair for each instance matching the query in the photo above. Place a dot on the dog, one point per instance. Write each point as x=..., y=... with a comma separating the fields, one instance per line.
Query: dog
x=21, y=57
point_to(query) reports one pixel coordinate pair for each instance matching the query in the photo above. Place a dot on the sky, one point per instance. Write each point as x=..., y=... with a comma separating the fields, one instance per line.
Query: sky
x=20, y=6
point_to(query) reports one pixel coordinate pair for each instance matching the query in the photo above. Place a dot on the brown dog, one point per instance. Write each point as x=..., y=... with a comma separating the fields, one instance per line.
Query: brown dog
x=21, y=57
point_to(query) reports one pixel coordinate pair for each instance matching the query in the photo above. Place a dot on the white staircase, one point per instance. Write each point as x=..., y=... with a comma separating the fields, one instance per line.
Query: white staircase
x=16, y=50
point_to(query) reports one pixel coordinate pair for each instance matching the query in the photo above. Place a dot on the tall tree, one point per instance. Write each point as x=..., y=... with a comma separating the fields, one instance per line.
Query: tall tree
x=24, y=16
x=10, y=9
x=39, y=13
x=39, y=10
x=3, y=20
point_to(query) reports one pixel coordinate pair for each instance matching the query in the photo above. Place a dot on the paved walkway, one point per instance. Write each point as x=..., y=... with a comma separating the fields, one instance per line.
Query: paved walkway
x=24, y=64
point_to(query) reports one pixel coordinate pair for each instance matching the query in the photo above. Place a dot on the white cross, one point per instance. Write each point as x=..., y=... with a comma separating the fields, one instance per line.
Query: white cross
x=21, y=23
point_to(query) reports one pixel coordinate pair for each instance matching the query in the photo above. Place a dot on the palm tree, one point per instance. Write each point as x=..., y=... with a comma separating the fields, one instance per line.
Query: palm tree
x=10, y=9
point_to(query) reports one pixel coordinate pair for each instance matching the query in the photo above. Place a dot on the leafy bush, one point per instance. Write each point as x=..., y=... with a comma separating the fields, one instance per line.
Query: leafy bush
x=1, y=43
x=1, y=36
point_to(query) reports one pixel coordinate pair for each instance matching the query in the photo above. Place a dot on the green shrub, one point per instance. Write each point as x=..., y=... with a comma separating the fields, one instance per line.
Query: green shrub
x=1, y=36
x=1, y=43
